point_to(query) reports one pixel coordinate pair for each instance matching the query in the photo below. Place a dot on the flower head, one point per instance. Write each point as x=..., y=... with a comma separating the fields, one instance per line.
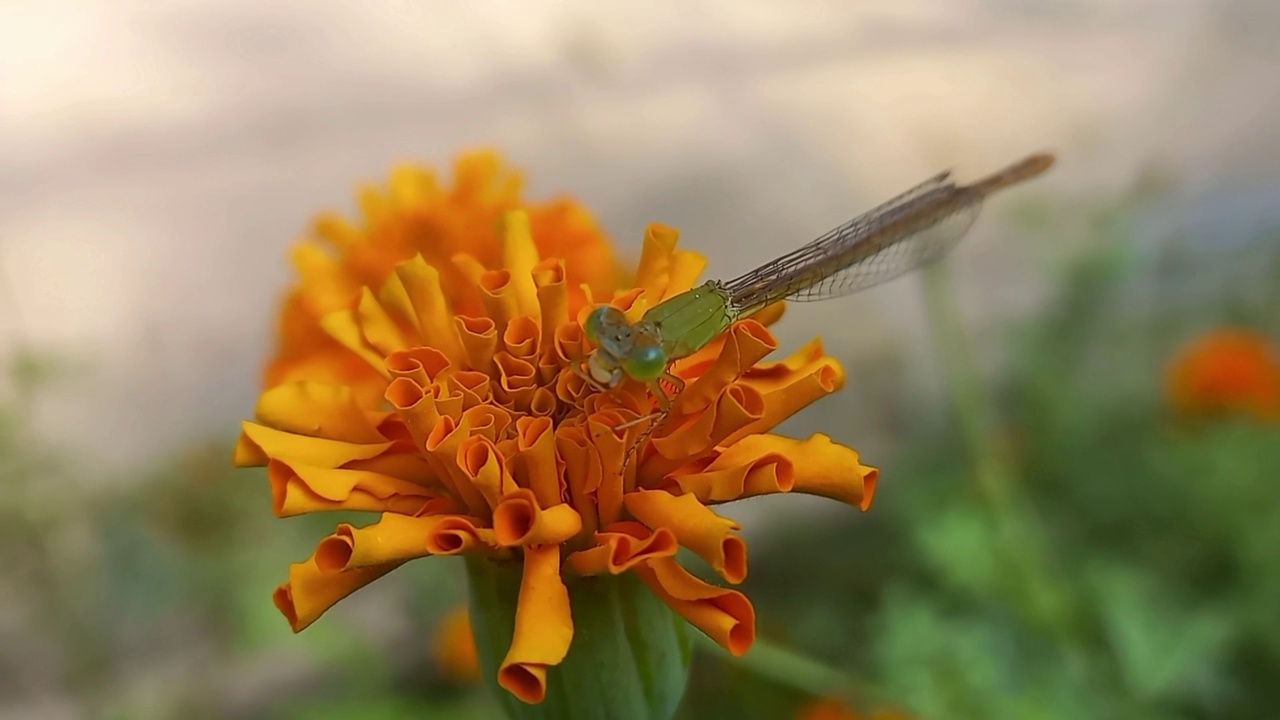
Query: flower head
x=443, y=398
x=1229, y=370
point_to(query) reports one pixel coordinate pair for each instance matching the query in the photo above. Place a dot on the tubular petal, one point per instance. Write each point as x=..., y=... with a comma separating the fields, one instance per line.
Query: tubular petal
x=746, y=343
x=581, y=472
x=738, y=406
x=726, y=616
x=785, y=395
x=423, y=365
x=696, y=527
x=457, y=534
x=620, y=547
x=395, y=538
x=522, y=339
x=431, y=310
x=654, y=271
x=442, y=446
x=544, y=626
x=537, y=444
x=485, y=468
x=310, y=591
x=553, y=300
x=479, y=340
x=520, y=256
x=518, y=520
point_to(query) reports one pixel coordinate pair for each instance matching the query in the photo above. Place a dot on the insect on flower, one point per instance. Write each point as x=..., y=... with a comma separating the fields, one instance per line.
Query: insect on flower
x=908, y=232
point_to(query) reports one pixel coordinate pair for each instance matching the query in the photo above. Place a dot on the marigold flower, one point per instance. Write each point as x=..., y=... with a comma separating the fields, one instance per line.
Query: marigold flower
x=486, y=443
x=1230, y=370
x=455, y=647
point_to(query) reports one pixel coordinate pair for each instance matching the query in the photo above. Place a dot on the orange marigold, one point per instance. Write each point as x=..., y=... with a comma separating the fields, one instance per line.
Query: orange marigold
x=485, y=442
x=455, y=647
x=1230, y=370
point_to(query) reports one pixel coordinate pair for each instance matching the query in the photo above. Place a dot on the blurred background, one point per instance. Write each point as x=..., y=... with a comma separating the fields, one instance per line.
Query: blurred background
x=1063, y=529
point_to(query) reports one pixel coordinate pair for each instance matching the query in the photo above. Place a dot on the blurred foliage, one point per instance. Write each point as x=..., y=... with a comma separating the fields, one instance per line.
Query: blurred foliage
x=1050, y=543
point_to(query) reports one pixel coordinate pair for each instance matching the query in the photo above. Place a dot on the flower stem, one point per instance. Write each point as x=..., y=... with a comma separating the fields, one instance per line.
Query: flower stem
x=796, y=670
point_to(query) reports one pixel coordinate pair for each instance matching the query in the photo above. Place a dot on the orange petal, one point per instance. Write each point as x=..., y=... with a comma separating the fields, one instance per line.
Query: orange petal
x=570, y=343
x=423, y=365
x=537, y=460
x=581, y=472
x=517, y=379
x=298, y=489
x=473, y=386
x=415, y=408
x=786, y=391
x=522, y=339
x=553, y=299
x=738, y=406
x=442, y=446
x=432, y=313
x=696, y=527
x=260, y=441
x=458, y=534
x=485, y=469
x=520, y=256
x=620, y=547
x=543, y=629
x=479, y=340
x=654, y=271
x=310, y=591
x=518, y=520
x=500, y=300
x=395, y=538
x=490, y=421
x=543, y=403
x=746, y=344
x=610, y=447
x=726, y=616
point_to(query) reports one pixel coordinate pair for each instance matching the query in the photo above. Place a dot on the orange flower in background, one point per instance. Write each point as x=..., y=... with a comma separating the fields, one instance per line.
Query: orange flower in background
x=1227, y=371
x=455, y=648
x=838, y=710
x=485, y=442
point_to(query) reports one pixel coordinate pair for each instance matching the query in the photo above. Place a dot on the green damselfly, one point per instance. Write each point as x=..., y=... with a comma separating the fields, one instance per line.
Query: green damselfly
x=908, y=232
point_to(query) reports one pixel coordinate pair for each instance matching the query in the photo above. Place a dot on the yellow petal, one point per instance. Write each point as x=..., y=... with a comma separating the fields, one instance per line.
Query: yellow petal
x=686, y=267
x=620, y=547
x=500, y=298
x=310, y=591
x=520, y=256
x=423, y=365
x=298, y=489
x=738, y=406
x=696, y=527
x=317, y=410
x=378, y=328
x=393, y=539
x=786, y=393
x=442, y=446
x=543, y=629
x=320, y=452
x=343, y=327
x=611, y=448
x=522, y=339
x=581, y=472
x=415, y=408
x=458, y=534
x=553, y=299
x=518, y=520
x=726, y=616
x=431, y=309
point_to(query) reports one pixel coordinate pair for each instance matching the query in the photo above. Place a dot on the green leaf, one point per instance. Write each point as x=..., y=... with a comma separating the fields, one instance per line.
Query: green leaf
x=629, y=659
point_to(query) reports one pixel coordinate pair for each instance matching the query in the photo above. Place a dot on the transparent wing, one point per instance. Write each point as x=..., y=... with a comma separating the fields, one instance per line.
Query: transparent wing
x=907, y=254
x=894, y=238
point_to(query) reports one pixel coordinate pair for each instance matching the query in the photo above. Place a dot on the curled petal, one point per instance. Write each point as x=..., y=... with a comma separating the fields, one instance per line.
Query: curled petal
x=620, y=547
x=543, y=403
x=537, y=461
x=570, y=343
x=298, y=489
x=543, y=629
x=343, y=326
x=522, y=339
x=490, y=421
x=422, y=365
x=485, y=469
x=479, y=340
x=442, y=446
x=473, y=386
x=415, y=408
x=764, y=464
x=517, y=379
x=654, y=272
x=553, y=300
x=311, y=591
x=260, y=443
x=581, y=472
x=395, y=538
x=785, y=393
x=518, y=520
x=747, y=343
x=726, y=616
x=500, y=300
x=611, y=447
x=696, y=527
x=457, y=534
x=737, y=407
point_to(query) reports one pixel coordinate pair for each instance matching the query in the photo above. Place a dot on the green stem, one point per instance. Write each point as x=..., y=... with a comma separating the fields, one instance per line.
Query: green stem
x=793, y=669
